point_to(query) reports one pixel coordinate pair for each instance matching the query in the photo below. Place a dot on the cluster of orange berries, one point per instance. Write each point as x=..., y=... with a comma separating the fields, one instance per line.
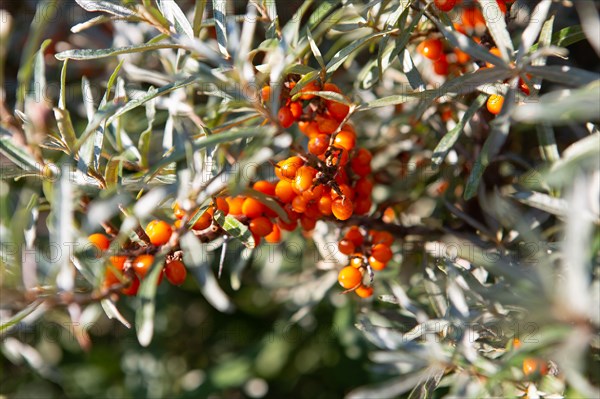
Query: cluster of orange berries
x=472, y=22
x=331, y=178
x=367, y=252
x=129, y=270
x=471, y=16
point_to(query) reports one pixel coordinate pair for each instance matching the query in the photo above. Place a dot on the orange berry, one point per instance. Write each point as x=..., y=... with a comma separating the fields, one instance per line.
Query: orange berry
x=346, y=246
x=175, y=272
x=363, y=187
x=337, y=110
x=252, y=208
x=118, y=261
x=459, y=28
x=141, y=264
x=331, y=87
x=349, y=277
x=110, y=278
x=235, y=205
x=299, y=204
x=261, y=226
x=516, y=343
x=382, y=237
x=375, y=264
x=312, y=210
x=318, y=144
x=100, y=241
x=356, y=260
x=431, y=48
x=445, y=5
x=534, y=366
x=324, y=204
x=495, y=51
x=264, y=187
x=523, y=87
x=296, y=109
x=326, y=125
x=364, y=291
x=291, y=226
x=159, y=232
x=389, y=215
x=342, y=177
x=381, y=252
x=353, y=234
x=304, y=179
x=361, y=162
x=284, y=191
x=203, y=222
x=345, y=139
x=342, y=209
x=339, y=157
x=265, y=93
x=285, y=116
x=472, y=18
x=312, y=86
x=274, y=236
x=461, y=56
x=494, y=104
x=441, y=66
x=362, y=205
x=307, y=223
x=222, y=205
x=309, y=128
x=133, y=287
x=502, y=6
x=344, y=192
x=286, y=169
x=177, y=211
x=313, y=193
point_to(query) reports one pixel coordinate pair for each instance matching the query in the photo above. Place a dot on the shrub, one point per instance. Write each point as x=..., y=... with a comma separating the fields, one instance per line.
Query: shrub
x=437, y=159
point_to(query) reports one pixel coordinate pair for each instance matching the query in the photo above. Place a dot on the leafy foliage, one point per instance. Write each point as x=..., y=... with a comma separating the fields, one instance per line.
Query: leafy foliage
x=495, y=217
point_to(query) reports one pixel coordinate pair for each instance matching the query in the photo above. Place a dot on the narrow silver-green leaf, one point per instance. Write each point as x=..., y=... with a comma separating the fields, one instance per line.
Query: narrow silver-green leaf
x=62, y=220
x=446, y=143
x=91, y=54
x=339, y=57
x=494, y=19
x=144, y=315
x=196, y=258
x=548, y=148
x=315, y=49
x=62, y=115
x=15, y=153
x=235, y=228
x=532, y=31
x=5, y=325
x=565, y=75
x=173, y=14
x=113, y=313
x=563, y=107
x=199, y=7
x=555, y=206
x=220, y=15
x=110, y=7
x=45, y=13
x=331, y=95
